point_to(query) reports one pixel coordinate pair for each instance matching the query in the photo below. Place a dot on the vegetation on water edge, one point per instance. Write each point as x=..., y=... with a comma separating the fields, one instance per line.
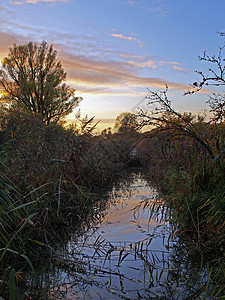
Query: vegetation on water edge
x=185, y=154
x=49, y=174
x=192, y=182
x=186, y=157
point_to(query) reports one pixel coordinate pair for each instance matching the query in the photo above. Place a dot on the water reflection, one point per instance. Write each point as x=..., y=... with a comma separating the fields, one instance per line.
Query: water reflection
x=131, y=253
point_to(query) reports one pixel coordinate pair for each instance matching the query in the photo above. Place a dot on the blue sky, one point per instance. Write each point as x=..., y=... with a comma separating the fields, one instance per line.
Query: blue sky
x=113, y=50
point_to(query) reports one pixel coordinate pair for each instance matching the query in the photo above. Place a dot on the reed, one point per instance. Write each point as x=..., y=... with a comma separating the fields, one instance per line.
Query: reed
x=192, y=182
x=48, y=175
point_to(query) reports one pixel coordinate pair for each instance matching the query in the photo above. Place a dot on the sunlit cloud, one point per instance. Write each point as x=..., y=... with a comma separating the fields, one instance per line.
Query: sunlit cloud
x=140, y=61
x=132, y=56
x=177, y=68
x=7, y=40
x=145, y=64
x=121, y=75
x=111, y=76
x=173, y=65
x=21, y=2
x=131, y=2
x=127, y=38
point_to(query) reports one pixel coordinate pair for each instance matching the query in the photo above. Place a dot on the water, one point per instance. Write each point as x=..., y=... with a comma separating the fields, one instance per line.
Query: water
x=132, y=253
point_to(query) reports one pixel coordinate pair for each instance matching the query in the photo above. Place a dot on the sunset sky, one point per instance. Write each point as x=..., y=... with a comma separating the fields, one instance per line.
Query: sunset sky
x=113, y=50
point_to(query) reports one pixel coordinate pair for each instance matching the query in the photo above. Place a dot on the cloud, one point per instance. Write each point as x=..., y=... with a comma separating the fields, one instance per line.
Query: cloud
x=110, y=77
x=21, y=2
x=159, y=10
x=177, y=68
x=130, y=2
x=145, y=64
x=7, y=40
x=156, y=7
x=127, y=38
x=172, y=65
x=142, y=61
x=99, y=74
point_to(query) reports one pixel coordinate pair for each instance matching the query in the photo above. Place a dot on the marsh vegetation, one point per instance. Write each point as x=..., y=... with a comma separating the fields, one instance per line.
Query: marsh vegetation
x=53, y=179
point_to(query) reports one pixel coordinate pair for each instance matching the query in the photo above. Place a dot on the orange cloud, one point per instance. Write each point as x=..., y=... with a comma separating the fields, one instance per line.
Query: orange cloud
x=99, y=75
x=177, y=68
x=172, y=65
x=7, y=40
x=127, y=38
x=93, y=75
x=145, y=64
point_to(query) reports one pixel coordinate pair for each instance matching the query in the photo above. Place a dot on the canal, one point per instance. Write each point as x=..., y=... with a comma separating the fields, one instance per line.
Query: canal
x=132, y=252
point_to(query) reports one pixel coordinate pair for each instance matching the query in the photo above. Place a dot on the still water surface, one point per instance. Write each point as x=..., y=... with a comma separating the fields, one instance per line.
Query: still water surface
x=132, y=253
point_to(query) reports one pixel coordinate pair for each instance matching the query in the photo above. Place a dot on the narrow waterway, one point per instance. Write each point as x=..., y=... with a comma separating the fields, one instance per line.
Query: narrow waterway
x=132, y=253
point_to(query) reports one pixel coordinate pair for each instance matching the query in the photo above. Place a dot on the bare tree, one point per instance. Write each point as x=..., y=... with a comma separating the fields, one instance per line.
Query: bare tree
x=214, y=77
x=164, y=118
x=217, y=107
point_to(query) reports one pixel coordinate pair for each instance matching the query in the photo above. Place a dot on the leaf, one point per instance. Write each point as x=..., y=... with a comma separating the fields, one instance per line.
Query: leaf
x=59, y=197
x=12, y=285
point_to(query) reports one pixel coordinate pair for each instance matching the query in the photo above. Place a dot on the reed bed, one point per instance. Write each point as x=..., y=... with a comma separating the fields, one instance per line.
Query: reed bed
x=192, y=182
x=49, y=175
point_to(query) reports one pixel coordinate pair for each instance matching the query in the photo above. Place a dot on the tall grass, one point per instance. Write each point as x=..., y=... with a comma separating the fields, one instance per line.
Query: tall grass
x=48, y=175
x=193, y=183
x=16, y=223
x=186, y=159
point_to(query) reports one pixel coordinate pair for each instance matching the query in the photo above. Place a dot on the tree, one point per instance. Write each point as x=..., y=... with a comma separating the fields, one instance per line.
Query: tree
x=127, y=123
x=217, y=107
x=164, y=118
x=32, y=78
x=215, y=77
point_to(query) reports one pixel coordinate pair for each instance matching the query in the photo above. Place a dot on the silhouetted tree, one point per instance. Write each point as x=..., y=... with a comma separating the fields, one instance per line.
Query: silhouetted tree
x=32, y=79
x=214, y=77
x=127, y=123
x=217, y=107
x=164, y=118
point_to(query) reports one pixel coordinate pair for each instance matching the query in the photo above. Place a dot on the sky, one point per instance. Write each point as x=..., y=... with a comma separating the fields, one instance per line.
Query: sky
x=115, y=50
